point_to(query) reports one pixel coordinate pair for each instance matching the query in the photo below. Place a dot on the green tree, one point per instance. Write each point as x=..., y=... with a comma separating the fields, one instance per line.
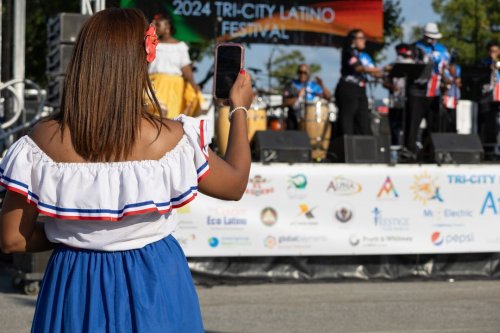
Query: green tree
x=468, y=25
x=284, y=67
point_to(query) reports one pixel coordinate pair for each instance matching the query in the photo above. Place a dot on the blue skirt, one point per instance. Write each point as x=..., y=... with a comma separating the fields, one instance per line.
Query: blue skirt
x=143, y=290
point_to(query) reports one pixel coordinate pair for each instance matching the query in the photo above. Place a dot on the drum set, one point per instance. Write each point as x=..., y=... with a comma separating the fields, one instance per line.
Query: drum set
x=315, y=119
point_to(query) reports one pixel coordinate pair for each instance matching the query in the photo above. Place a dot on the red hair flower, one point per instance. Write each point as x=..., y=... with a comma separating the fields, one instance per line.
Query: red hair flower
x=150, y=42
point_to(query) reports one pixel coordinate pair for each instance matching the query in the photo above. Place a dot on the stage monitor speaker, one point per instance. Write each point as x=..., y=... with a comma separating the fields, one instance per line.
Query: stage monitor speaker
x=64, y=28
x=362, y=149
x=456, y=148
x=281, y=146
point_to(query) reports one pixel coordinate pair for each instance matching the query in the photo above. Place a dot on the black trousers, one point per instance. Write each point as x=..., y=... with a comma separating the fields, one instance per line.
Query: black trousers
x=448, y=120
x=420, y=107
x=353, y=115
x=488, y=119
x=396, y=124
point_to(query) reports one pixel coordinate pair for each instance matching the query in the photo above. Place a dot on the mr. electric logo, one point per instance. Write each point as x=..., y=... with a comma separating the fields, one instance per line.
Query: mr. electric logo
x=387, y=190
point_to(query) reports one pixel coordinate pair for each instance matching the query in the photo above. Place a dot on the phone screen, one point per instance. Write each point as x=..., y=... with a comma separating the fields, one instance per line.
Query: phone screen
x=228, y=67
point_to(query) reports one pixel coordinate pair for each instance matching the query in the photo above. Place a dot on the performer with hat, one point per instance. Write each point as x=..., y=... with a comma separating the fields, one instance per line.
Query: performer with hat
x=424, y=93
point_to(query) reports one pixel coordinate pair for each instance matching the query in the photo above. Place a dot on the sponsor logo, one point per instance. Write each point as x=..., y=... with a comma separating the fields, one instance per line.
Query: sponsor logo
x=258, y=186
x=344, y=213
x=387, y=190
x=185, y=240
x=269, y=216
x=354, y=240
x=297, y=185
x=344, y=186
x=425, y=189
x=378, y=241
x=447, y=213
x=438, y=238
x=305, y=216
x=293, y=241
x=306, y=211
x=229, y=241
x=186, y=209
x=213, y=242
x=491, y=205
x=472, y=179
x=270, y=242
x=225, y=221
x=389, y=223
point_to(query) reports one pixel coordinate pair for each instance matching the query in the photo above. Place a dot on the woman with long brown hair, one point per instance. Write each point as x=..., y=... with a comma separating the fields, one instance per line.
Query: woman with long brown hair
x=108, y=176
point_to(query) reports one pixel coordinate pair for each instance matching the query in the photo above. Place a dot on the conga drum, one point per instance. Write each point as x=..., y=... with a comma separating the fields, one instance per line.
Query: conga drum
x=257, y=118
x=256, y=121
x=315, y=122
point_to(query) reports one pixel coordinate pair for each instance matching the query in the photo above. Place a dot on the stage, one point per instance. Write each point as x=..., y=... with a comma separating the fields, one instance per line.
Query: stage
x=345, y=209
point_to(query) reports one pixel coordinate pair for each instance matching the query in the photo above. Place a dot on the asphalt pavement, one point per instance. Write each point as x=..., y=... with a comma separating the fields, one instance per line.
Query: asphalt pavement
x=368, y=307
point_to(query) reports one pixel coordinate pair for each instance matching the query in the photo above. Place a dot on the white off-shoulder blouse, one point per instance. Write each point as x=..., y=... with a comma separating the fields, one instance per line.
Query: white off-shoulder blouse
x=110, y=206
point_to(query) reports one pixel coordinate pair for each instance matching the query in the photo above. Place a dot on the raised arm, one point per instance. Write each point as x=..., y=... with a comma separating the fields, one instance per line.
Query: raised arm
x=228, y=177
x=19, y=231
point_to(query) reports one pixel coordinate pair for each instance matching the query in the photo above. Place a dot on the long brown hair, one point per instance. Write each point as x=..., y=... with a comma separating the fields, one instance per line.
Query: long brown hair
x=106, y=86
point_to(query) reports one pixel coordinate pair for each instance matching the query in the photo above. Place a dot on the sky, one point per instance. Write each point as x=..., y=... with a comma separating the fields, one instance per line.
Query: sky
x=414, y=12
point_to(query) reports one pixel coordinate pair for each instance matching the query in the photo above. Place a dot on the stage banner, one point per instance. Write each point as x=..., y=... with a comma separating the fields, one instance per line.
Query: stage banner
x=320, y=23
x=321, y=209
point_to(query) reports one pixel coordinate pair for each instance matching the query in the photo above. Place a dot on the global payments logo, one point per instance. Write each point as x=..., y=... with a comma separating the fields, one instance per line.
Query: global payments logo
x=213, y=242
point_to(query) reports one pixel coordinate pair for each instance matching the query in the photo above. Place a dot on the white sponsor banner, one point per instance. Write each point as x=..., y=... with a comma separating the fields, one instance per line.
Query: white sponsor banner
x=321, y=209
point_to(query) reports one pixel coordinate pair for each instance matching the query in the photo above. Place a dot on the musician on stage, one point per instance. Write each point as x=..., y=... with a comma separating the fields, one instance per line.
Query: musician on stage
x=424, y=93
x=300, y=91
x=171, y=73
x=397, y=93
x=350, y=94
x=489, y=104
x=451, y=94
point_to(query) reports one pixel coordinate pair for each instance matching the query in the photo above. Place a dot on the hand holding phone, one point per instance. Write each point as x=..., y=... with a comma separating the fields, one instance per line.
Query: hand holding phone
x=228, y=63
x=241, y=94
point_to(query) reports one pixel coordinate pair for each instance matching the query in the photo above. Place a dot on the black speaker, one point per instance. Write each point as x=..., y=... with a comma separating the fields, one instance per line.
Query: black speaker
x=456, y=148
x=362, y=149
x=58, y=60
x=281, y=146
x=64, y=28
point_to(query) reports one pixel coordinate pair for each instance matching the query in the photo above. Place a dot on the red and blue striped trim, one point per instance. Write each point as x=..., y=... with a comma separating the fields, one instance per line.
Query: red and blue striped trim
x=97, y=214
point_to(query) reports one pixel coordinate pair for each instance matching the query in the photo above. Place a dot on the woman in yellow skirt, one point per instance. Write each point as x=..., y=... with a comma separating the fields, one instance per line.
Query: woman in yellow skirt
x=171, y=74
